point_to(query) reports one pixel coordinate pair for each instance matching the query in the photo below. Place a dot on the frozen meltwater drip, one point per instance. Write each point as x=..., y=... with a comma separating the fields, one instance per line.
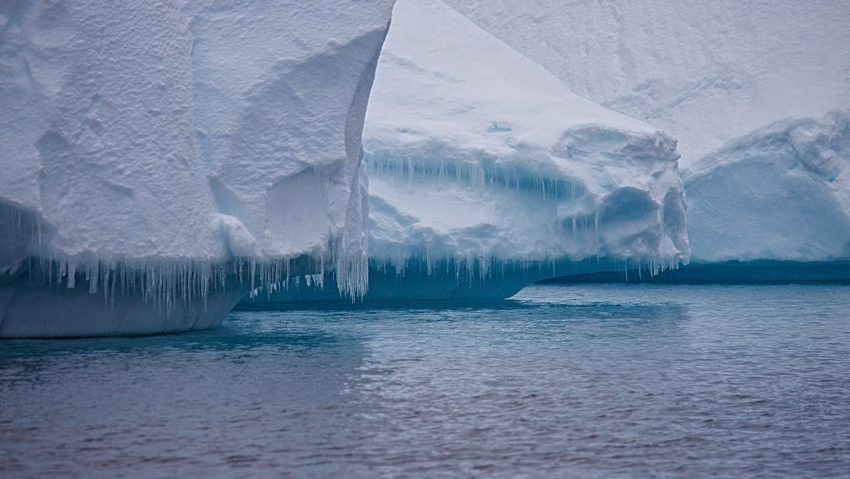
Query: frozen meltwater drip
x=486, y=173
x=756, y=94
x=167, y=158
x=558, y=177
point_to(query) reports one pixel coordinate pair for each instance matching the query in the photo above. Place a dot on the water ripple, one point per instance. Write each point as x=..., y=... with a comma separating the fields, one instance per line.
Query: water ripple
x=577, y=381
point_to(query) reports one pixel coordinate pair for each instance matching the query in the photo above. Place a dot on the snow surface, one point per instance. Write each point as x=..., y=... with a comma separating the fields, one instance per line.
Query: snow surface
x=704, y=72
x=487, y=173
x=161, y=144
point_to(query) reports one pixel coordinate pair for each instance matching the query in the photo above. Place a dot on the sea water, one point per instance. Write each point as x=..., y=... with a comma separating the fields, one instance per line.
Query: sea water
x=561, y=381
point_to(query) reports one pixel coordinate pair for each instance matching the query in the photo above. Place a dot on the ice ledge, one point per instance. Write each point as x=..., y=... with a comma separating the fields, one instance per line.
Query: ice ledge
x=730, y=272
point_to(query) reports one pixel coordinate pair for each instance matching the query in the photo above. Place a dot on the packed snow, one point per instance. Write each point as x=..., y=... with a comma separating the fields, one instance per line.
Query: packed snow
x=163, y=149
x=486, y=173
x=704, y=72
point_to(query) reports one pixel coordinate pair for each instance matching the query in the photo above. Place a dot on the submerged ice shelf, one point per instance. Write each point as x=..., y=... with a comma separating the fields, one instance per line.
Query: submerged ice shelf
x=486, y=173
x=203, y=149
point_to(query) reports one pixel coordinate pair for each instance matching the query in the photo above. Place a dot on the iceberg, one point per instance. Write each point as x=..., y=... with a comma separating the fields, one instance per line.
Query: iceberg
x=770, y=207
x=170, y=156
x=487, y=173
x=747, y=89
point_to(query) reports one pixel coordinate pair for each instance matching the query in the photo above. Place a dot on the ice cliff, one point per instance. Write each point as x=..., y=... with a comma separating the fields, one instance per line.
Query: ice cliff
x=487, y=173
x=170, y=155
x=747, y=89
x=781, y=193
x=772, y=206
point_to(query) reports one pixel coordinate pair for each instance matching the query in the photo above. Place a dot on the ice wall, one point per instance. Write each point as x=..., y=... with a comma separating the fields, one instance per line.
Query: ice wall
x=780, y=193
x=487, y=173
x=160, y=148
x=746, y=88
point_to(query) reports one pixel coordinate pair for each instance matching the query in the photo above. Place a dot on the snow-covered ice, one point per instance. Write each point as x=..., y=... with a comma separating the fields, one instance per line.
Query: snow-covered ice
x=704, y=72
x=487, y=173
x=772, y=206
x=779, y=193
x=156, y=148
x=160, y=160
x=747, y=88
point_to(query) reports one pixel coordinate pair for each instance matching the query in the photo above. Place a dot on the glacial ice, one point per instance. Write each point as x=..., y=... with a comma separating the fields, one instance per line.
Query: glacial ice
x=170, y=156
x=773, y=206
x=746, y=88
x=486, y=173
x=780, y=193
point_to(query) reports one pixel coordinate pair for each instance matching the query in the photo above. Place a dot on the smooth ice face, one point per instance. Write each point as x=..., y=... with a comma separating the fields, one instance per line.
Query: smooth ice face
x=705, y=72
x=780, y=193
x=156, y=142
x=487, y=173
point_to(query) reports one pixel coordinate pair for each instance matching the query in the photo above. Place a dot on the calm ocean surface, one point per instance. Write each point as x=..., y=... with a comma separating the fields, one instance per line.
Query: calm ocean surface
x=563, y=381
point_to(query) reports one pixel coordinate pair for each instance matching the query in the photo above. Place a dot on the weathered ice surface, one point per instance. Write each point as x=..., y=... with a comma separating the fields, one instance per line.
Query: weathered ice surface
x=487, y=173
x=160, y=151
x=773, y=207
x=780, y=193
x=758, y=95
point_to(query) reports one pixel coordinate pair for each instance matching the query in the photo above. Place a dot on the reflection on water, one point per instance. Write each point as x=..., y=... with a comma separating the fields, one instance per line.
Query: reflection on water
x=585, y=381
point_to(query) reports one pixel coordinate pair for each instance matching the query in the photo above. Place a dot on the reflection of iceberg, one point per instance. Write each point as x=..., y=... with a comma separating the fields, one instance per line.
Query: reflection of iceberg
x=199, y=146
x=487, y=174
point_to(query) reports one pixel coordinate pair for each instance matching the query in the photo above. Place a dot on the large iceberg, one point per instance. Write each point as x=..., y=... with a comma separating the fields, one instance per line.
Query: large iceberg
x=746, y=88
x=171, y=155
x=705, y=72
x=487, y=173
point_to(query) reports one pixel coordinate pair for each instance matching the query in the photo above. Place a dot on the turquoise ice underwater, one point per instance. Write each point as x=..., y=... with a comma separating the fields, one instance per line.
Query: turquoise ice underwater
x=575, y=381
